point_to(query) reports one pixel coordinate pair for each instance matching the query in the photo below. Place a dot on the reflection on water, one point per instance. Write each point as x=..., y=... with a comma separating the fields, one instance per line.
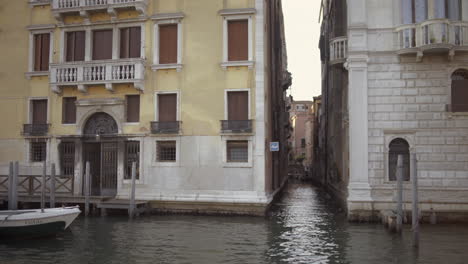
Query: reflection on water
x=304, y=227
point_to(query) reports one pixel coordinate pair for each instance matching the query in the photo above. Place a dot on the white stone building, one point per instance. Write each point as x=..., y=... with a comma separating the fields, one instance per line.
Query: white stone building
x=395, y=81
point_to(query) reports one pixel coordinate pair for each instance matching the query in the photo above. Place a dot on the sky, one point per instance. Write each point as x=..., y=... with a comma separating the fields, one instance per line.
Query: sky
x=302, y=37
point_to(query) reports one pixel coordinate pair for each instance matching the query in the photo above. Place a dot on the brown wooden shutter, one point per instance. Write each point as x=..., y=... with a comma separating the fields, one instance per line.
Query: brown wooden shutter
x=133, y=108
x=238, y=106
x=167, y=107
x=75, y=46
x=135, y=42
x=168, y=44
x=41, y=52
x=102, y=45
x=459, y=95
x=37, y=51
x=124, y=41
x=39, y=111
x=69, y=110
x=238, y=38
x=70, y=56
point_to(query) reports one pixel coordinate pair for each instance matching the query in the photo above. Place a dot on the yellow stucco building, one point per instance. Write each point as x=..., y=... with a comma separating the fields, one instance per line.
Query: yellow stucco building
x=190, y=90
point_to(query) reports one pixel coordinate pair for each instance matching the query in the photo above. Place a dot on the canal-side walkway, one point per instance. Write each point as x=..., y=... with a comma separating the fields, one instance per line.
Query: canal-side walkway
x=304, y=226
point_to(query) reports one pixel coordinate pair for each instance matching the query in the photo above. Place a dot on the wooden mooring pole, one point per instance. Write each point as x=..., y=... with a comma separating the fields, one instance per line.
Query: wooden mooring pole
x=415, y=211
x=44, y=171
x=131, y=208
x=11, y=199
x=15, y=185
x=52, y=186
x=399, y=174
x=86, y=188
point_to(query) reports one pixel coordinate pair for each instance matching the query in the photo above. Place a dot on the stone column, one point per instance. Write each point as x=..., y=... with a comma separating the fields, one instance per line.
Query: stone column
x=359, y=196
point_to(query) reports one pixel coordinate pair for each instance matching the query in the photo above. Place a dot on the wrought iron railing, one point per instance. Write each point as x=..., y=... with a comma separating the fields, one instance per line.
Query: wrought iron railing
x=236, y=126
x=35, y=129
x=165, y=127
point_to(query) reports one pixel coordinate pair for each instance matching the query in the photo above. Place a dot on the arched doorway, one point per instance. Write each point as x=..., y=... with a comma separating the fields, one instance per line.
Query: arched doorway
x=397, y=147
x=100, y=148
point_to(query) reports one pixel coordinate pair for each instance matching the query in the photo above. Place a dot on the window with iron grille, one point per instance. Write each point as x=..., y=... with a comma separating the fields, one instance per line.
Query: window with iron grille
x=166, y=151
x=67, y=158
x=237, y=151
x=38, y=151
x=132, y=154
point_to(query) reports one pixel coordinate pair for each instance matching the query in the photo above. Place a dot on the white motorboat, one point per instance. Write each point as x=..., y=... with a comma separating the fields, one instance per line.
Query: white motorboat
x=35, y=223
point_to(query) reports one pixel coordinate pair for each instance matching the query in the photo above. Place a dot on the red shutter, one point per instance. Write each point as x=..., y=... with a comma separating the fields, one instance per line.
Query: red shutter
x=69, y=110
x=238, y=37
x=102, y=45
x=168, y=44
x=238, y=106
x=133, y=108
x=39, y=111
x=167, y=107
x=124, y=39
x=459, y=95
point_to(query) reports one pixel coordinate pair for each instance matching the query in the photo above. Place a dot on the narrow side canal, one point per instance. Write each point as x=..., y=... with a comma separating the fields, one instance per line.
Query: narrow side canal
x=304, y=227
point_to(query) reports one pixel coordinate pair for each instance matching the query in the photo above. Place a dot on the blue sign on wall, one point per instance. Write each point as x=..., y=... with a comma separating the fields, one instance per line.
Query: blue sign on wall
x=274, y=146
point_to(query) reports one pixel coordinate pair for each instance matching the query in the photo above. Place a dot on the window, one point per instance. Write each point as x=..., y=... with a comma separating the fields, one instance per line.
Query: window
x=417, y=11
x=459, y=91
x=132, y=154
x=102, y=44
x=238, y=40
x=397, y=147
x=133, y=108
x=303, y=142
x=69, y=110
x=238, y=105
x=38, y=151
x=39, y=111
x=168, y=43
x=130, y=42
x=75, y=46
x=167, y=107
x=67, y=158
x=41, y=52
x=166, y=151
x=237, y=151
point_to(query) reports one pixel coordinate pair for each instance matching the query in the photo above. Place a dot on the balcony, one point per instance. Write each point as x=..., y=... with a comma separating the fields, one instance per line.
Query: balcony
x=165, y=127
x=109, y=72
x=338, y=50
x=236, y=126
x=35, y=129
x=84, y=7
x=433, y=36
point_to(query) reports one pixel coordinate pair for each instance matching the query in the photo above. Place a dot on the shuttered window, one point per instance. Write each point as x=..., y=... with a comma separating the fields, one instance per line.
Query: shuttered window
x=167, y=107
x=39, y=111
x=69, y=110
x=238, y=40
x=130, y=42
x=238, y=106
x=132, y=154
x=237, y=151
x=102, y=44
x=41, y=52
x=460, y=91
x=75, y=44
x=168, y=44
x=133, y=108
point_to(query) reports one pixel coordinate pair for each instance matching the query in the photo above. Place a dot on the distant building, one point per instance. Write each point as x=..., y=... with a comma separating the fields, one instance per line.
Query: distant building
x=192, y=91
x=395, y=82
x=300, y=113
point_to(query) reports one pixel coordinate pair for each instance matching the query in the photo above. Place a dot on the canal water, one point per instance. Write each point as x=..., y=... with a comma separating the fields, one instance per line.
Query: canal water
x=303, y=227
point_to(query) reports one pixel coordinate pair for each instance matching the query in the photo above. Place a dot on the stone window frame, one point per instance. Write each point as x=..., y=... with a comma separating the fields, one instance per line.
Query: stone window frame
x=238, y=14
x=450, y=72
x=34, y=30
x=164, y=19
x=389, y=136
x=156, y=103
x=154, y=146
x=225, y=163
x=141, y=178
